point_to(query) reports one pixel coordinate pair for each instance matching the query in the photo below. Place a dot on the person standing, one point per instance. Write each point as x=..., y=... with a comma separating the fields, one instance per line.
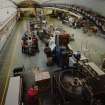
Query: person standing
x=29, y=45
x=48, y=52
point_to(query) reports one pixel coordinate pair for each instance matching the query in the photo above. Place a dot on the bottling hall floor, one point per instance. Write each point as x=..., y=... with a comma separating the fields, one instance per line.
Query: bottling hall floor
x=11, y=55
x=91, y=45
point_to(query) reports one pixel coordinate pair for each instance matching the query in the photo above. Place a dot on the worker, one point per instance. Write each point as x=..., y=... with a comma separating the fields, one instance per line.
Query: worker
x=25, y=37
x=26, y=33
x=23, y=47
x=51, y=29
x=70, y=21
x=77, y=55
x=24, y=43
x=35, y=42
x=29, y=41
x=48, y=52
x=29, y=45
x=44, y=22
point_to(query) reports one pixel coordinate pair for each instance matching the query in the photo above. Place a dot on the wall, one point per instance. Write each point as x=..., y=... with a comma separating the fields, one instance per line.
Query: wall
x=8, y=14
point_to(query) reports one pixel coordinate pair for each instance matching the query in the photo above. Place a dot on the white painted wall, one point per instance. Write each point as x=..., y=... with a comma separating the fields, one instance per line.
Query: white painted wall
x=7, y=13
x=7, y=9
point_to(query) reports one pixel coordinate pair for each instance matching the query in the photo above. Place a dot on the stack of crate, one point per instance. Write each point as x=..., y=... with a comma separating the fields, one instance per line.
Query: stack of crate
x=42, y=80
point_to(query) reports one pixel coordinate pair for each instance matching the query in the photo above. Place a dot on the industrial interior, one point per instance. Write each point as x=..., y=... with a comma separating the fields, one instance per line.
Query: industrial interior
x=52, y=52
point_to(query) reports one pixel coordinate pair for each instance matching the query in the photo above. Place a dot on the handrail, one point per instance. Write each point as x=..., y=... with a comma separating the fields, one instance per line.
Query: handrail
x=81, y=11
x=74, y=14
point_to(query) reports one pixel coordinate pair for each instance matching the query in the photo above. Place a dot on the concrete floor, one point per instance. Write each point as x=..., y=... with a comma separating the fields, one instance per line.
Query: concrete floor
x=11, y=55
